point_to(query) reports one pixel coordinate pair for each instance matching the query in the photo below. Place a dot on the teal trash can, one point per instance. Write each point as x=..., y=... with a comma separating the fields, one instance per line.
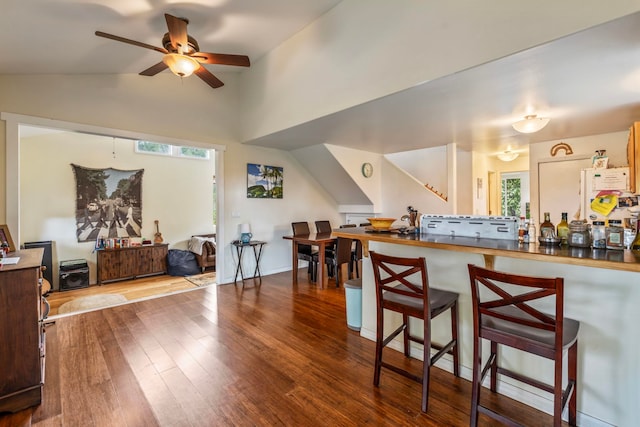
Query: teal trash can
x=353, y=302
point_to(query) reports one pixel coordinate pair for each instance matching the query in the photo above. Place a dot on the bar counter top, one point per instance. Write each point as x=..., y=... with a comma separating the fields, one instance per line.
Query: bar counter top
x=625, y=260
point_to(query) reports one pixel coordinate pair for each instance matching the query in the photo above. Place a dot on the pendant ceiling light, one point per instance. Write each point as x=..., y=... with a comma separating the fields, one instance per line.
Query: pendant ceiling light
x=507, y=156
x=530, y=124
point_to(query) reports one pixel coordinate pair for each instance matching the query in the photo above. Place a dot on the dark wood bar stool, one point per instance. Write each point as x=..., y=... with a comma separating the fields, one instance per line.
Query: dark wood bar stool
x=402, y=285
x=503, y=314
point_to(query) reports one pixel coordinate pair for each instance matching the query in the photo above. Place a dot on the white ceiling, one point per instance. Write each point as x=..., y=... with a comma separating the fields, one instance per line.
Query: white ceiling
x=588, y=83
x=57, y=36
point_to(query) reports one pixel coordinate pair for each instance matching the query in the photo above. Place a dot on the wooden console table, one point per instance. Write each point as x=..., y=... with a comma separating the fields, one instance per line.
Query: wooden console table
x=129, y=263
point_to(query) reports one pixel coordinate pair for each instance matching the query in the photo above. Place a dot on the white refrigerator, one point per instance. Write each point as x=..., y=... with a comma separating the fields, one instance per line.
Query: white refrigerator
x=595, y=181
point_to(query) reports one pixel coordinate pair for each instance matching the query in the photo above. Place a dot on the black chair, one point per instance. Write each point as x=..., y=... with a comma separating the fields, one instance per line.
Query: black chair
x=402, y=285
x=306, y=252
x=324, y=227
x=503, y=314
x=356, y=253
x=342, y=255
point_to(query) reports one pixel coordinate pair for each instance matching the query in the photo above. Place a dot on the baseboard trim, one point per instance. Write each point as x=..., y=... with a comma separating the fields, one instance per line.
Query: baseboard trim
x=508, y=387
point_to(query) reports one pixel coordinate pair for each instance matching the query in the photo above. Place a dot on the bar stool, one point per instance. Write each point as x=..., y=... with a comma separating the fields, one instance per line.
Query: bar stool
x=503, y=315
x=402, y=285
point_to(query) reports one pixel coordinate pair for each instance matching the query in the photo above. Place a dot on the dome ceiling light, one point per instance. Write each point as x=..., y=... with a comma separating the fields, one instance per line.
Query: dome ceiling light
x=531, y=123
x=507, y=156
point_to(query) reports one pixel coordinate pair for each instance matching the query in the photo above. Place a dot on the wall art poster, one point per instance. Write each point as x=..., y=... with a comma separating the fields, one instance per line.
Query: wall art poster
x=108, y=203
x=264, y=182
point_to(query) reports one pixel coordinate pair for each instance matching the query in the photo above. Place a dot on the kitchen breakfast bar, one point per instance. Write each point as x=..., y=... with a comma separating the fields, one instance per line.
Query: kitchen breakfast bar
x=602, y=292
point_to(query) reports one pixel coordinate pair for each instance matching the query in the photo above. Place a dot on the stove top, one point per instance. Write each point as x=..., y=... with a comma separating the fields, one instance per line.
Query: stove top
x=478, y=226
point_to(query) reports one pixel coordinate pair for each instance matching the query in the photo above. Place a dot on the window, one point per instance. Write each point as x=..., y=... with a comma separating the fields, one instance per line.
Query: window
x=515, y=194
x=153, y=147
x=150, y=147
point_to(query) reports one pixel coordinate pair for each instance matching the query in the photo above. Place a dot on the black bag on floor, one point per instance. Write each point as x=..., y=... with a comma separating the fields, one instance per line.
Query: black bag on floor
x=182, y=263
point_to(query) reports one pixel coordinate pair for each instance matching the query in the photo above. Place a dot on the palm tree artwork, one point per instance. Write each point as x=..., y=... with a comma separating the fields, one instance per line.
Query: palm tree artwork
x=264, y=182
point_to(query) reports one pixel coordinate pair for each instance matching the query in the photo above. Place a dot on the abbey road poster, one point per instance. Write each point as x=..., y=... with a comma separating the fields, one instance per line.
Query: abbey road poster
x=108, y=203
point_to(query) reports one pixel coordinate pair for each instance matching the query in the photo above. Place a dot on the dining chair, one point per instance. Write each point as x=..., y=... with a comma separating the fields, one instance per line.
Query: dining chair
x=402, y=285
x=356, y=253
x=505, y=313
x=322, y=227
x=306, y=252
x=342, y=255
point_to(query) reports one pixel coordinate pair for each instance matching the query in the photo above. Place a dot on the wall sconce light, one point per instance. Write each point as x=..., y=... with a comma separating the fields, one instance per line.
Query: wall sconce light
x=530, y=124
x=507, y=156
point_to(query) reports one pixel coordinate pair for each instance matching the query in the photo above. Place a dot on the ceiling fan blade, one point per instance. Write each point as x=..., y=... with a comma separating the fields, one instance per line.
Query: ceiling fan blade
x=209, y=78
x=177, y=33
x=129, y=41
x=222, y=58
x=154, y=69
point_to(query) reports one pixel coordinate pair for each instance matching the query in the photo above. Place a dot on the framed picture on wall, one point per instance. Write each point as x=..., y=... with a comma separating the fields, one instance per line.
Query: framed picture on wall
x=264, y=182
x=5, y=236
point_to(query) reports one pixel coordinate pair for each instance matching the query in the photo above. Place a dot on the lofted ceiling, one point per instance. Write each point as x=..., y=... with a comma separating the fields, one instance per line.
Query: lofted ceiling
x=588, y=82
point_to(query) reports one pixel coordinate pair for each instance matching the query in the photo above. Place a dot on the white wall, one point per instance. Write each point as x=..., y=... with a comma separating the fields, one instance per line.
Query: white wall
x=48, y=191
x=187, y=110
x=270, y=219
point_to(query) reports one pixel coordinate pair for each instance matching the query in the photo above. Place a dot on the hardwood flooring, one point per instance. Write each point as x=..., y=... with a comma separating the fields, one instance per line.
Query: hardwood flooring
x=131, y=289
x=266, y=355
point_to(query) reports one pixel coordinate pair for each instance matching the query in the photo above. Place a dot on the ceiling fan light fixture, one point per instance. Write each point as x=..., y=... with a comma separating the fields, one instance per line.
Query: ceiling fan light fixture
x=507, y=156
x=531, y=124
x=180, y=65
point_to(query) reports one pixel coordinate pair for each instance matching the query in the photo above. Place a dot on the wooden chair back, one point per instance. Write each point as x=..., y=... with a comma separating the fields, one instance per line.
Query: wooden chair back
x=502, y=297
x=300, y=228
x=323, y=227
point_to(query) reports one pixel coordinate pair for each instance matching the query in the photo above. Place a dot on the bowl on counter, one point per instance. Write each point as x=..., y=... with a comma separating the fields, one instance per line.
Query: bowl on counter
x=381, y=223
x=549, y=240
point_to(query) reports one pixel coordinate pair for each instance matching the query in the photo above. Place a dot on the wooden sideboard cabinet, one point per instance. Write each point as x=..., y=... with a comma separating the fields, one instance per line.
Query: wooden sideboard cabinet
x=129, y=263
x=633, y=156
x=22, y=338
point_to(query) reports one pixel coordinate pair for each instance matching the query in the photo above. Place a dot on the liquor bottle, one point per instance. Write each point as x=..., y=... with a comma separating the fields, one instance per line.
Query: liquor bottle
x=547, y=229
x=521, y=230
x=635, y=245
x=563, y=229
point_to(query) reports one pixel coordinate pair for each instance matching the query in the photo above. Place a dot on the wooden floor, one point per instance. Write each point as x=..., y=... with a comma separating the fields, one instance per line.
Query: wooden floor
x=268, y=355
x=131, y=289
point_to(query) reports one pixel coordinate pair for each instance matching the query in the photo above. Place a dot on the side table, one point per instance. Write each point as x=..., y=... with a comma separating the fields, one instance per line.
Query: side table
x=257, y=253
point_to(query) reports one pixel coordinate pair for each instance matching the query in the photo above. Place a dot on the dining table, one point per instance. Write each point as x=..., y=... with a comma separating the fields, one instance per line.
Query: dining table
x=322, y=241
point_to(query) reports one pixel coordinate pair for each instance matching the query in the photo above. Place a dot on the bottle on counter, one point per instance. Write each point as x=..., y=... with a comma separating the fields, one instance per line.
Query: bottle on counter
x=635, y=245
x=526, y=231
x=562, y=230
x=521, y=230
x=598, y=236
x=532, y=234
x=547, y=229
x=615, y=235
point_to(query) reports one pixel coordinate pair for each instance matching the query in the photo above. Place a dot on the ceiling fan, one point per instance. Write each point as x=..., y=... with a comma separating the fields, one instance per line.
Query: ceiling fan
x=182, y=54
